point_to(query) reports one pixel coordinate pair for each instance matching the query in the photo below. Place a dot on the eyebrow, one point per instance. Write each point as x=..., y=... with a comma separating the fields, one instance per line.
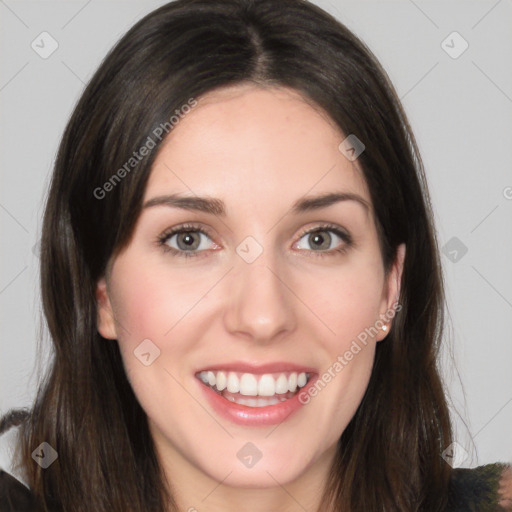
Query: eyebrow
x=216, y=206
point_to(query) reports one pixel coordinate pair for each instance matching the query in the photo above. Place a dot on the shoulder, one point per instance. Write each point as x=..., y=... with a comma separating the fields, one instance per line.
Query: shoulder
x=14, y=496
x=486, y=488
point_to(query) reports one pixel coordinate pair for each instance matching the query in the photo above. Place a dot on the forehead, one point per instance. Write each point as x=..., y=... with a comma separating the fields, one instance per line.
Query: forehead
x=250, y=145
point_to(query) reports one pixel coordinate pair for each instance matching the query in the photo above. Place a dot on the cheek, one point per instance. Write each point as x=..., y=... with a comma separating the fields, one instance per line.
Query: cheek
x=148, y=303
x=149, y=300
x=348, y=304
x=347, y=301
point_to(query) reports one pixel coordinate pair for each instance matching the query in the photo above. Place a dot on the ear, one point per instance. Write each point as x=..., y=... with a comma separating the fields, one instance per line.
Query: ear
x=392, y=293
x=105, y=314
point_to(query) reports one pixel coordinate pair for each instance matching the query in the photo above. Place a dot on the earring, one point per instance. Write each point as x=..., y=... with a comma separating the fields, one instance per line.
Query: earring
x=384, y=327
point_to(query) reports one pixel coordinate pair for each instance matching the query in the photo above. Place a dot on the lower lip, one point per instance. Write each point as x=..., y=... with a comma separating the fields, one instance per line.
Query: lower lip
x=255, y=416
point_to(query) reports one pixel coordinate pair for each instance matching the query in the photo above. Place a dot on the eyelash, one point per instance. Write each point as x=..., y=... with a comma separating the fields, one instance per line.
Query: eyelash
x=186, y=228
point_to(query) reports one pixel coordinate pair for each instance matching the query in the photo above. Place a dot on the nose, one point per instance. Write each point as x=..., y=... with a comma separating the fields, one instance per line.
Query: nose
x=261, y=305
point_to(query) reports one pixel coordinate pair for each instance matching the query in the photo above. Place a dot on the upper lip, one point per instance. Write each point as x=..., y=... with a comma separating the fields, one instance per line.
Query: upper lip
x=274, y=367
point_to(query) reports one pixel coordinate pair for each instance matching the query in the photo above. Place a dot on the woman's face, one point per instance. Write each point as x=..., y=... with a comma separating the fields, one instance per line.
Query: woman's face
x=256, y=294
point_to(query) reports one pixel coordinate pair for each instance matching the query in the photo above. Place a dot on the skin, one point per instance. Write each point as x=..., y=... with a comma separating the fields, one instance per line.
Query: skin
x=259, y=150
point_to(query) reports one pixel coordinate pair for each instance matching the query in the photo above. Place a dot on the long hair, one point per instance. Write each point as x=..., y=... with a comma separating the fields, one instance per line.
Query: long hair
x=389, y=456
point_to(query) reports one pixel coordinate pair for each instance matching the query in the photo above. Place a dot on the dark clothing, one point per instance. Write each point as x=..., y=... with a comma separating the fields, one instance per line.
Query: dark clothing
x=14, y=496
x=471, y=490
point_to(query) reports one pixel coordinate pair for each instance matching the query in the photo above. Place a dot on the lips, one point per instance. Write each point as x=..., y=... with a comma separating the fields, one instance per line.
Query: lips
x=254, y=395
x=268, y=379
x=259, y=369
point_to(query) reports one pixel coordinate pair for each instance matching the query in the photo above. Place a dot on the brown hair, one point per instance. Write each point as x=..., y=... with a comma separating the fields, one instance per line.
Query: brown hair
x=388, y=457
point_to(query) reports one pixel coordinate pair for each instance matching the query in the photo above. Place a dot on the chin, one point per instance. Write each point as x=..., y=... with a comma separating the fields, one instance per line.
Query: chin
x=269, y=468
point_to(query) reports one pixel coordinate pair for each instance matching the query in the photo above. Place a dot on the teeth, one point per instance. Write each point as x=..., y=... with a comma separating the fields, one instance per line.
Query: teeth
x=266, y=386
x=256, y=402
x=222, y=381
x=292, y=382
x=282, y=384
x=248, y=384
x=233, y=383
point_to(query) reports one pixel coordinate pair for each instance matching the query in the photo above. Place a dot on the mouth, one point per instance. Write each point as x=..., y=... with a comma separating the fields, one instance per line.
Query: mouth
x=255, y=389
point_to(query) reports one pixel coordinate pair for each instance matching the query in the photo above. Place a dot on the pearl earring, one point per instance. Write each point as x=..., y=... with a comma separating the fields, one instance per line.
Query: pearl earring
x=384, y=327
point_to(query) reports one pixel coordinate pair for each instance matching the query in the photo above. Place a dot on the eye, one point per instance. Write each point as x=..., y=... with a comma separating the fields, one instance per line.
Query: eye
x=187, y=239
x=319, y=238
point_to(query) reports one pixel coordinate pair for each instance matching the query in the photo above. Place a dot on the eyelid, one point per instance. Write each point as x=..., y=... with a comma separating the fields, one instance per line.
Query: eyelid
x=185, y=227
x=327, y=226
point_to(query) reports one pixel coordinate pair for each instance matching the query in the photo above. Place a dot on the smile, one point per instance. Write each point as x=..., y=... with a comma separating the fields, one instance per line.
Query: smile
x=256, y=396
x=255, y=390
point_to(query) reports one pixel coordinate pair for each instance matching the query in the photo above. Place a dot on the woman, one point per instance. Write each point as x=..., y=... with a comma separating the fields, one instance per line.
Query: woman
x=208, y=356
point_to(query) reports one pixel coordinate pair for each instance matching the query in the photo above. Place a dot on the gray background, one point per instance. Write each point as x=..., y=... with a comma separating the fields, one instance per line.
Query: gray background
x=460, y=111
